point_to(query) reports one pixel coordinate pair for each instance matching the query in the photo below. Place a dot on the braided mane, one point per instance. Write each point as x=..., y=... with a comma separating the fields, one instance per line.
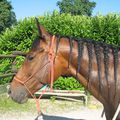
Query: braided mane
x=96, y=45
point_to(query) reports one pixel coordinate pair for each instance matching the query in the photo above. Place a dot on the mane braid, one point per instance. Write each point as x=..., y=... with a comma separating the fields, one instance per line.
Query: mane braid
x=57, y=43
x=70, y=54
x=80, y=53
x=98, y=58
x=90, y=55
x=106, y=66
x=115, y=57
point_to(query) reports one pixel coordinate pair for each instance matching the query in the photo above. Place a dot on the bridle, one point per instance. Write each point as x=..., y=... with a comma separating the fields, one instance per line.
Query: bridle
x=51, y=58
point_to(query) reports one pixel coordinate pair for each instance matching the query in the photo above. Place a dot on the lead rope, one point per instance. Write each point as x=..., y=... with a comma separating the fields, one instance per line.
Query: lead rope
x=51, y=59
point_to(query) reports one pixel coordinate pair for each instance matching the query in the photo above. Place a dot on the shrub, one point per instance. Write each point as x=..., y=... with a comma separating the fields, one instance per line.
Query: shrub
x=102, y=28
x=67, y=83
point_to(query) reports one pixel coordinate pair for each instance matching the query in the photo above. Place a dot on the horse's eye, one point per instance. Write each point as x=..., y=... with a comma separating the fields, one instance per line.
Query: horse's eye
x=41, y=49
x=30, y=57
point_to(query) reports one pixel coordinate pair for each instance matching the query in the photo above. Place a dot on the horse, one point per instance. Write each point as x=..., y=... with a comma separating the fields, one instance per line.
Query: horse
x=95, y=65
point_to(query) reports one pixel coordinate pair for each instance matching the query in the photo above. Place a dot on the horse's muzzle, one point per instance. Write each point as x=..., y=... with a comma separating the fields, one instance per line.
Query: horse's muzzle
x=18, y=94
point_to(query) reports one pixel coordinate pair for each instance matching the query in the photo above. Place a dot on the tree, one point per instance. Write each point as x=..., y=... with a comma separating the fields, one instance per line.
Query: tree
x=76, y=7
x=7, y=16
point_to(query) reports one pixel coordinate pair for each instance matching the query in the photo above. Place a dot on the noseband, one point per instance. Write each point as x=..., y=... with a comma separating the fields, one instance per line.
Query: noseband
x=51, y=57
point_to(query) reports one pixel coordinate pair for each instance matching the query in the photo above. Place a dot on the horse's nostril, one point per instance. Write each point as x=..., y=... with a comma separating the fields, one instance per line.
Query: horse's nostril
x=9, y=91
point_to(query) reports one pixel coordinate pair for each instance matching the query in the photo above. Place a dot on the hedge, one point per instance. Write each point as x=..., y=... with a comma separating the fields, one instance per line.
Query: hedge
x=67, y=83
x=20, y=37
x=103, y=28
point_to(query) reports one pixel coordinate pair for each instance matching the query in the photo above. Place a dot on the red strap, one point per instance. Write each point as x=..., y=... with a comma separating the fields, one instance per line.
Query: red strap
x=51, y=58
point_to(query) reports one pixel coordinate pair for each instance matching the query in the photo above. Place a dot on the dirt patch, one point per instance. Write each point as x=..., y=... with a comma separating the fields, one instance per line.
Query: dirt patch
x=79, y=114
x=52, y=110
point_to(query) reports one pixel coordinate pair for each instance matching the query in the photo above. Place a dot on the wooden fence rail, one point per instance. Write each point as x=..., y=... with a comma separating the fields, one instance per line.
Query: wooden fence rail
x=12, y=56
x=7, y=75
x=7, y=56
x=70, y=95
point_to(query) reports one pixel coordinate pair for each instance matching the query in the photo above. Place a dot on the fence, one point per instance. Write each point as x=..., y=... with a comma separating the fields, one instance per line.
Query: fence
x=13, y=57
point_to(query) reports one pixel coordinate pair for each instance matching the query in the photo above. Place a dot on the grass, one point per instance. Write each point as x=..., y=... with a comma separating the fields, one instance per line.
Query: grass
x=6, y=104
x=50, y=106
x=47, y=105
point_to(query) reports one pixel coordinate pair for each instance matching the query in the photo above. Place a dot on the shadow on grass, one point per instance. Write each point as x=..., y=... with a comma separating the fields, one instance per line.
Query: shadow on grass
x=51, y=117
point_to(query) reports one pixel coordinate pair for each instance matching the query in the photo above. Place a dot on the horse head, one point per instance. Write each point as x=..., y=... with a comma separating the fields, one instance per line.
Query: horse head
x=35, y=71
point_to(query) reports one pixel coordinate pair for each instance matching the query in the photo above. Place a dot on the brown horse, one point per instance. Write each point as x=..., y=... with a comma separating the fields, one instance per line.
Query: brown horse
x=94, y=64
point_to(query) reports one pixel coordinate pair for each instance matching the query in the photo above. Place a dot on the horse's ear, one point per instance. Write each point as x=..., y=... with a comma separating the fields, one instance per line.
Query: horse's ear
x=38, y=26
x=42, y=31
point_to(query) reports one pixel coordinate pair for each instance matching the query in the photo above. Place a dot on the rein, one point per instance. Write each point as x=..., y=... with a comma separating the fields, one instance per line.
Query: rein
x=51, y=58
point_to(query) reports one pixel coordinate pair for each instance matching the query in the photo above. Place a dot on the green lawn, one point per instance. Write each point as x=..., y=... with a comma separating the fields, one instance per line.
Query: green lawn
x=6, y=104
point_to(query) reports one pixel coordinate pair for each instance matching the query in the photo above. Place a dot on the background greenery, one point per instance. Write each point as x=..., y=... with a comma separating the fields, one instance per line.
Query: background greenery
x=7, y=16
x=76, y=7
x=20, y=37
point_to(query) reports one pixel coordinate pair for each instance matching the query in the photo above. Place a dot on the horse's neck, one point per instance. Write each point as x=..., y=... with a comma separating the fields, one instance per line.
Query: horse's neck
x=82, y=75
x=72, y=59
x=106, y=94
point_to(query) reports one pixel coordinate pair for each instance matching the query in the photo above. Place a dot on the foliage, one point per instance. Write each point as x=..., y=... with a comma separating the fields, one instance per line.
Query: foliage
x=20, y=37
x=5, y=66
x=17, y=37
x=68, y=83
x=99, y=28
x=106, y=28
x=76, y=7
x=7, y=16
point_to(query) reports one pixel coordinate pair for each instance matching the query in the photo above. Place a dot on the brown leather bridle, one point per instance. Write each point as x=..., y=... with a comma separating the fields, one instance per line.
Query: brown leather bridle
x=51, y=57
